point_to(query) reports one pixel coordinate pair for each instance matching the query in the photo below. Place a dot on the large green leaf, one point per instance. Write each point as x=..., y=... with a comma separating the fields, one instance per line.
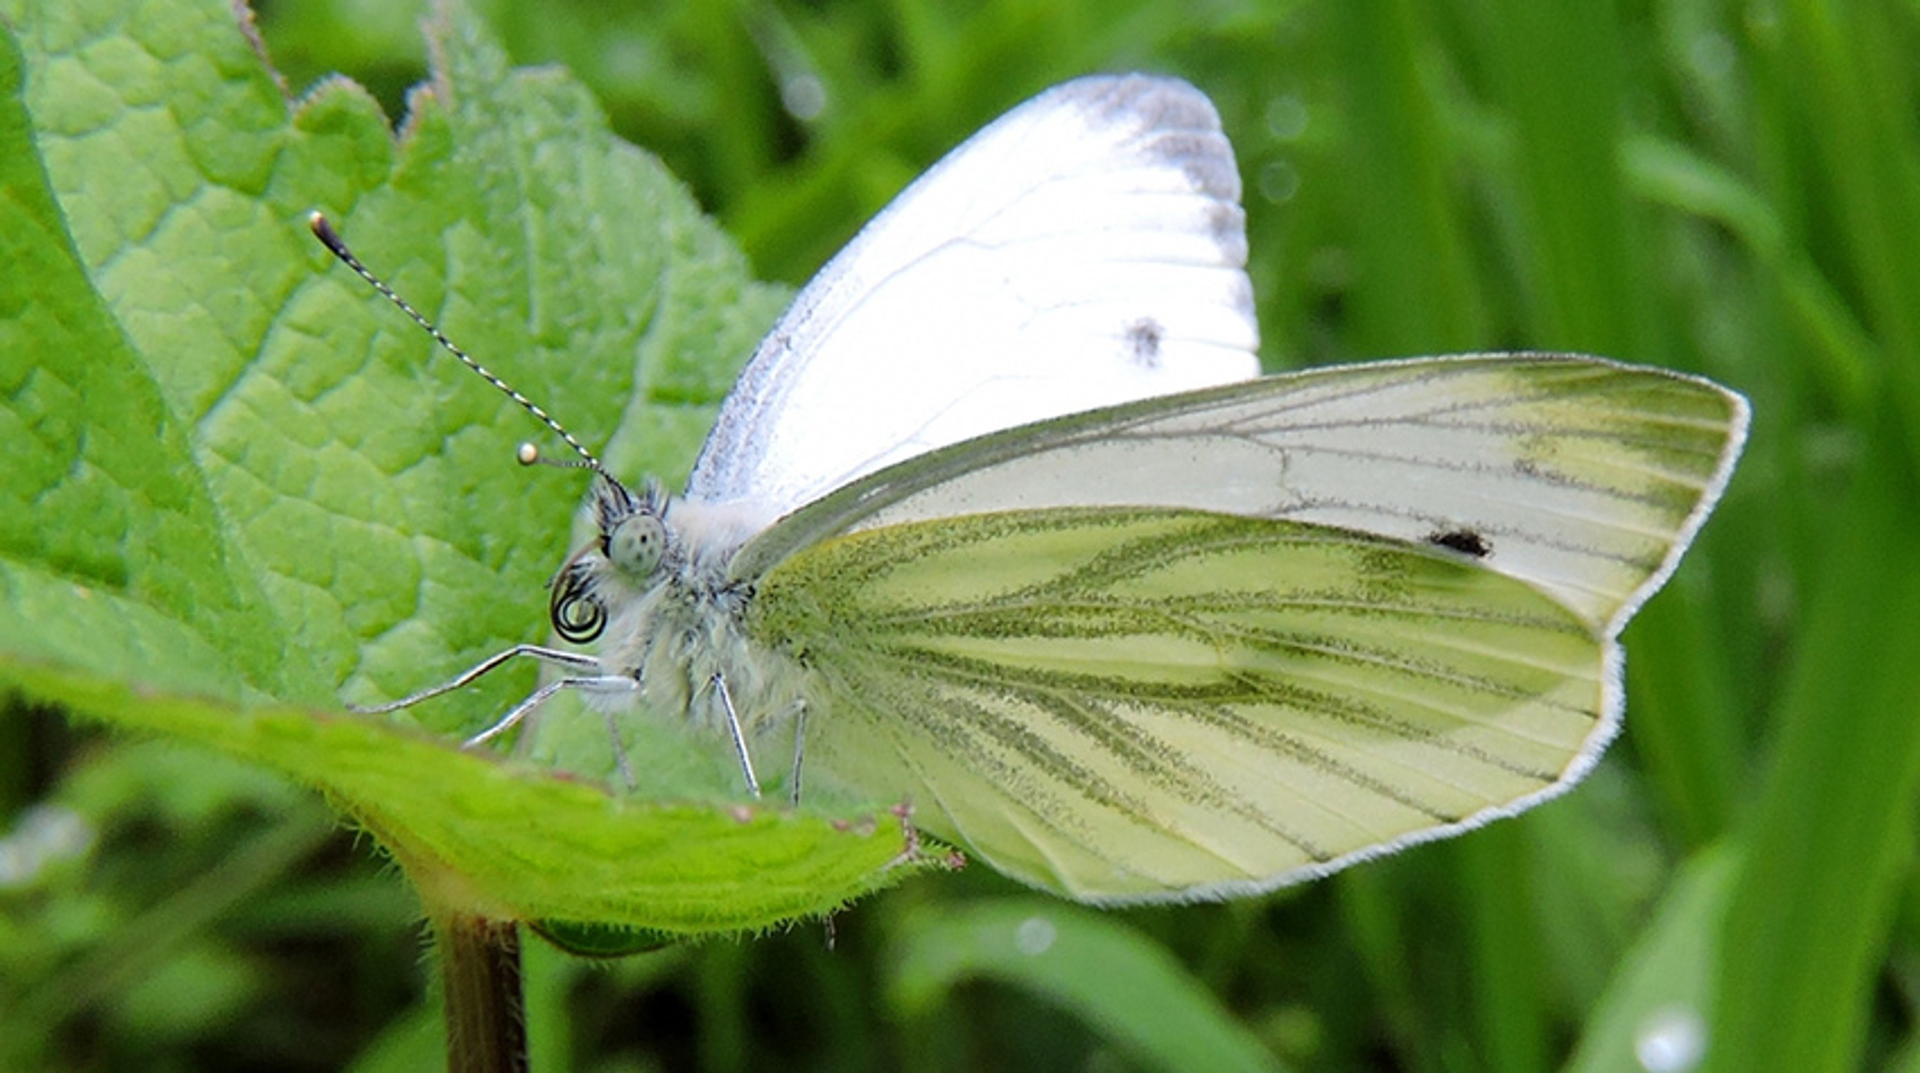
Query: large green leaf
x=242, y=489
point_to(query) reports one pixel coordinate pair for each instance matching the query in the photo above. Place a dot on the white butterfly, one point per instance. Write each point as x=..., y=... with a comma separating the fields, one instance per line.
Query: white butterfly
x=1203, y=635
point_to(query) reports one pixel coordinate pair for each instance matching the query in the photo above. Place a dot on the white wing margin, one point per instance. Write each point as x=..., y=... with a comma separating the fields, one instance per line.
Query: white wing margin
x=1085, y=249
x=1584, y=477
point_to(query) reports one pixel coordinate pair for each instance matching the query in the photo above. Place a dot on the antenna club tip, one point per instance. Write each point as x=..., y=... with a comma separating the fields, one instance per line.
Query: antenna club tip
x=527, y=454
x=322, y=230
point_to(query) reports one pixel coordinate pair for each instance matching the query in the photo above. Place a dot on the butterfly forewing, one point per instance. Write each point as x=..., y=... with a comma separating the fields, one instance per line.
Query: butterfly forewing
x=1124, y=704
x=1582, y=476
x=1085, y=249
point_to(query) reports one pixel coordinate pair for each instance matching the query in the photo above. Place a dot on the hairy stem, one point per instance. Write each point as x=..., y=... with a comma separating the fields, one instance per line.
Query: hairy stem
x=486, y=1010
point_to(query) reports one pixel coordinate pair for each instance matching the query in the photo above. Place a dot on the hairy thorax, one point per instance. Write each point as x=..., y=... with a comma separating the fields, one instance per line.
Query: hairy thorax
x=682, y=631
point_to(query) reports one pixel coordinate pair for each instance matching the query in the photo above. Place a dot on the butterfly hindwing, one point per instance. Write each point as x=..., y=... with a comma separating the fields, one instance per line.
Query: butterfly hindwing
x=1138, y=704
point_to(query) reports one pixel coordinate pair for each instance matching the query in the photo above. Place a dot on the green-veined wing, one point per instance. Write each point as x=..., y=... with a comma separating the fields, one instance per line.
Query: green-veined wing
x=1124, y=704
x=1215, y=642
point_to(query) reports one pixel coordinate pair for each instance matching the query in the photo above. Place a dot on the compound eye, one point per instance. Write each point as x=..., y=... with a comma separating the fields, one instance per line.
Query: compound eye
x=576, y=615
x=637, y=544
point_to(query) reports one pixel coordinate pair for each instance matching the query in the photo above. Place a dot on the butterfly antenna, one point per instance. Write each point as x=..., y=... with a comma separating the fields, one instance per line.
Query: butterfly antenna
x=528, y=454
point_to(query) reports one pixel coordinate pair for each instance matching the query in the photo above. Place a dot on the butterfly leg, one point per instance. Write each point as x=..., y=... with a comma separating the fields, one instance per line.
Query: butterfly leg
x=719, y=687
x=599, y=683
x=473, y=674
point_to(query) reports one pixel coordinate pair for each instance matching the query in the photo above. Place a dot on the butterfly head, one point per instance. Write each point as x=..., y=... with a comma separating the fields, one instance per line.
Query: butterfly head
x=634, y=548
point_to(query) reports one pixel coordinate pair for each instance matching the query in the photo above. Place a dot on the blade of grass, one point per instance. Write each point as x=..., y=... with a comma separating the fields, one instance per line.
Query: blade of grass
x=1419, y=294
x=1832, y=839
x=1108, y=974
x=1558, y=72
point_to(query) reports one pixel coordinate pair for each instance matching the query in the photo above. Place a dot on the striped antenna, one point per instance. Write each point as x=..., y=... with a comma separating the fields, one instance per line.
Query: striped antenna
x=324, y=231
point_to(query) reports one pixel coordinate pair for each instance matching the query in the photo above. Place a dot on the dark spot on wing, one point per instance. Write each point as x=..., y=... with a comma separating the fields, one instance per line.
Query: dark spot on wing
x=1143, y=342
x=1464, y=541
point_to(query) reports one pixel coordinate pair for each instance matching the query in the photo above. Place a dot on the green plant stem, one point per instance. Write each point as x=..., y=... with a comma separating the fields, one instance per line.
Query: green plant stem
x=486, y=1010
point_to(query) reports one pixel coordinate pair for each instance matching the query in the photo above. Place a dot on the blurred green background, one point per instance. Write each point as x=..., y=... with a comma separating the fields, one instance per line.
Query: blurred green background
x=1728, y=188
